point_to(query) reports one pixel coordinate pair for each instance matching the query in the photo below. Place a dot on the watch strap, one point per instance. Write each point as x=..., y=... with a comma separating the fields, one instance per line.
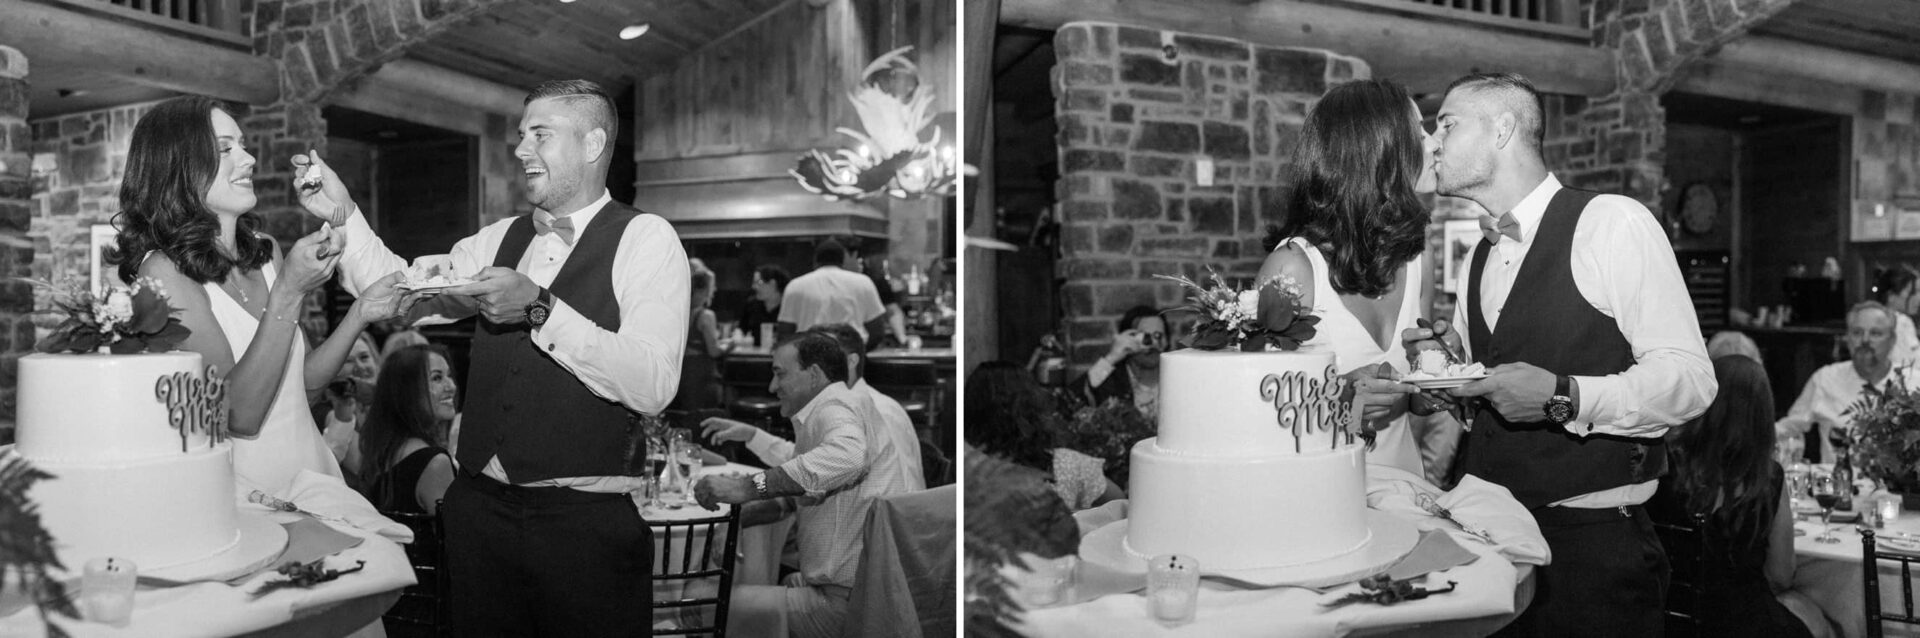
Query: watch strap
x=1562, y=385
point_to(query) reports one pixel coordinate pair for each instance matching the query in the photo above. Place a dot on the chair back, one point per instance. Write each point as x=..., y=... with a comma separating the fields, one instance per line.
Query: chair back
x=693, y=567
x=1871, y=557
x=904, y=588
x=422, y=609
x=1687, y=551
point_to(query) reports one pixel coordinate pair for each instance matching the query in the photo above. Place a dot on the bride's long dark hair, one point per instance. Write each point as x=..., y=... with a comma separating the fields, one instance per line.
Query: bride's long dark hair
x=171, y=160
x=1355, y=166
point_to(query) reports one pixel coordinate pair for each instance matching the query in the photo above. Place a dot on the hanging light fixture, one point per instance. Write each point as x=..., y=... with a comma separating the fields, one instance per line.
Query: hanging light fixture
x=891, y=156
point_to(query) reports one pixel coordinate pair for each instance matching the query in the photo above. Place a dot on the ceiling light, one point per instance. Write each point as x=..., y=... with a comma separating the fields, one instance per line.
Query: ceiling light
x=634, y=31
x=566, y=1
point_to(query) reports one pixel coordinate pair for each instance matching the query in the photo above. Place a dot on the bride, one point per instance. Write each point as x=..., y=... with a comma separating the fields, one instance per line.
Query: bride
x=186, y=221
x=1357, y=232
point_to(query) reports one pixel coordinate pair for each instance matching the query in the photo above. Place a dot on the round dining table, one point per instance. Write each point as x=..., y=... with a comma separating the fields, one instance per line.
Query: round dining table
x=1829, y=573
x=756, y=552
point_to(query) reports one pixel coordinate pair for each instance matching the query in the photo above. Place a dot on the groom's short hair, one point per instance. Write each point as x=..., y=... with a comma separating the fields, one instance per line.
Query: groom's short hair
x=1512, y=92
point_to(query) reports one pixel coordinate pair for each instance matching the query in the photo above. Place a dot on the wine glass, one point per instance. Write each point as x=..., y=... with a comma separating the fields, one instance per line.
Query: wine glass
x=1826, y=490
x=685, y=455
x=1797, y=479
x=655, y=462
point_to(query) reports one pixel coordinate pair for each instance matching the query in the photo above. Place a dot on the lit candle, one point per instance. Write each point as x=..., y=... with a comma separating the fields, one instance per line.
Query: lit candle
x=1173, y=585
x=1173, y=605
x=106, y=590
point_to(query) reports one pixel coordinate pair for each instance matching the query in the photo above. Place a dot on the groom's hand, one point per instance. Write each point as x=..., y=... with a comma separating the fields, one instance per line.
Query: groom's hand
x=1518, y=391
x=503, y=294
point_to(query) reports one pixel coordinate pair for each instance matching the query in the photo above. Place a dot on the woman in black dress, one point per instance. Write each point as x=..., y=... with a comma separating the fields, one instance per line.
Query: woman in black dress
x=1722, y=466
x=414, y=401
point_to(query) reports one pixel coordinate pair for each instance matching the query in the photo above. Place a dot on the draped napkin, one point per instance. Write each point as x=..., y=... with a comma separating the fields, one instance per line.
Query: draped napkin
x=1474, y=501
x=330, y=497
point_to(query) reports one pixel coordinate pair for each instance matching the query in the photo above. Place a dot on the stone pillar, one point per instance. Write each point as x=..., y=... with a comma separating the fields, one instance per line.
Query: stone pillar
x=16, y=251
x=1138, y=109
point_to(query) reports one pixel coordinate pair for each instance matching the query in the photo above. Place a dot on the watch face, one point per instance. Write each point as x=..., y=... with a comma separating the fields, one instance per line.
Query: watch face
x=536, y=314
x=1559, y=409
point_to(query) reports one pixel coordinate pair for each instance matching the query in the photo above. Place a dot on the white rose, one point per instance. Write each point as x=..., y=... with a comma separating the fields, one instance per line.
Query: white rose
x=1250, y=303
x=120, y=304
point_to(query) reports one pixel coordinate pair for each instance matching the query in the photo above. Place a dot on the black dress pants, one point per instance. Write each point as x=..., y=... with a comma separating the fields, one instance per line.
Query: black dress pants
x=545, y=561
x=1608, y=577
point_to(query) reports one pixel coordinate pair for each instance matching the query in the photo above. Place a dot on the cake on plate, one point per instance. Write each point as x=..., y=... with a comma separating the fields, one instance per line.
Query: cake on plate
x=135, y=438
x=1259, y=468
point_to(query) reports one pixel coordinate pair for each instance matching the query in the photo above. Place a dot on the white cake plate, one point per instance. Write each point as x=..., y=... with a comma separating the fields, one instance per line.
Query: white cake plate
x=1393, y=538
x=261, y=542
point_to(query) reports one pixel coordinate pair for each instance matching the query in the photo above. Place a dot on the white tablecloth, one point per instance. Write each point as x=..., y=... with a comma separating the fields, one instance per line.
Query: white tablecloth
x=1487, y=587
x=216, y=609
x=1829, y=573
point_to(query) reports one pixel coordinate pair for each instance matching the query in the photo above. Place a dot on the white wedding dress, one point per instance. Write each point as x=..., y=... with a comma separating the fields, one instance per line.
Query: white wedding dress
x=288, y=441
x=1353, y=347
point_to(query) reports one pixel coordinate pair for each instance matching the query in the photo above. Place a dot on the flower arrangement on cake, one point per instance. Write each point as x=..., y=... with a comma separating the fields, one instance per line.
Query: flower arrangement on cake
x=1247, y=320
x=1886, y=432
x=118, y=320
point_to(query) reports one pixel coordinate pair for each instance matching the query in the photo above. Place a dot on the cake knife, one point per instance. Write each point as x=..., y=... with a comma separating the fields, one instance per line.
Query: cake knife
x=1432, y=506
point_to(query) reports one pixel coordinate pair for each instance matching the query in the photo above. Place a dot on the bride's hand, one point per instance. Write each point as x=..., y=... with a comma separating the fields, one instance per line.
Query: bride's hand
x=382, y=300
x=308, y=263
x=327, y=199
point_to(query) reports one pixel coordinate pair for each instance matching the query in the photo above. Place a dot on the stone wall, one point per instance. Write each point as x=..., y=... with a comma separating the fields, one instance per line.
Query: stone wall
x=16, y=250
x=1137, y=108
x=78, y=160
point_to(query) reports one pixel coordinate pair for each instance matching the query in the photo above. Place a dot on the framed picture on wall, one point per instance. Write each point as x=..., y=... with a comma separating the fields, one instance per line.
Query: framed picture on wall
x=101, y=242
x=1458, y=237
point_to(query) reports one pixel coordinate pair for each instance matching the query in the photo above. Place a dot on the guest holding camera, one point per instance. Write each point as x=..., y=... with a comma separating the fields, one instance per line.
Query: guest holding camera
x=343, y=402
x=1131, y=369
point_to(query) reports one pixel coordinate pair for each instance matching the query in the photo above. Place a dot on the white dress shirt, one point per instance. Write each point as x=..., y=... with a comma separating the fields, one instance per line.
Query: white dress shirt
x=844, y=462
x=895, y=425
x=1623, y=265
x=1830, y=391
x=638, y=366
x=830, y=295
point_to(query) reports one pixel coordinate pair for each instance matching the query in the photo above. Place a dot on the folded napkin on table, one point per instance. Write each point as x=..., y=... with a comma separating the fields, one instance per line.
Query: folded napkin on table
x=329, y=496
x=1096, y=518
x=1474, y=501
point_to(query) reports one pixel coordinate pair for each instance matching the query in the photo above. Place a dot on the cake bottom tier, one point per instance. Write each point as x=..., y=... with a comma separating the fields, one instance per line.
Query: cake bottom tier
x=1247, y=513
x=159, y=512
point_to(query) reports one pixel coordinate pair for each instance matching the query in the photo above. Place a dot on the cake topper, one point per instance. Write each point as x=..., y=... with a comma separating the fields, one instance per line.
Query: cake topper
x=195, y=404
x=1306, y=406
x=1267, y=317
x=118, y=320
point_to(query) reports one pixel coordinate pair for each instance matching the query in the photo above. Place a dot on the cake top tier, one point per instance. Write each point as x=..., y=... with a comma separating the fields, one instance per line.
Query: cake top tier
x=1254, y=403
x=106, y=408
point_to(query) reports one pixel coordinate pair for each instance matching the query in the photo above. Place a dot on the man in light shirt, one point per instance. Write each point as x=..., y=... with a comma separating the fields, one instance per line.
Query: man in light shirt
x=899, y=444
x=1834, y=387
x=1577, y=306
x=831, y=477
x=583, y=315
x=831, y=294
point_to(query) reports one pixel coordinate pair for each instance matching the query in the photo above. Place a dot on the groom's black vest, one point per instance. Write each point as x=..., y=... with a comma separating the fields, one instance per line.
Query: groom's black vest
x=521, y=405
x=1546, y=322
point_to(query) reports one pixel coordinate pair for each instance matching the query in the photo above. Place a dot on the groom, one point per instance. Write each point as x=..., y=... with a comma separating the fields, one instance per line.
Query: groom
x=583, y=315
x=1596, y=357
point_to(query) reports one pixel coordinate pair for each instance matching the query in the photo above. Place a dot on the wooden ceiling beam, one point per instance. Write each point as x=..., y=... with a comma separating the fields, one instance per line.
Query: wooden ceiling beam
x=142, y=55
x=1828, y=65
x=1423, y=54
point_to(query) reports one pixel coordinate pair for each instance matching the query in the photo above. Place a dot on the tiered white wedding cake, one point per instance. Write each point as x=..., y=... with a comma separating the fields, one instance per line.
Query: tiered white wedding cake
x=141, y=466
x=1258, y=463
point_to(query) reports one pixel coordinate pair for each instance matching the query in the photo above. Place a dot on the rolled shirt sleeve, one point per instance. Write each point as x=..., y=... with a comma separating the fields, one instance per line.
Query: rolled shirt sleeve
x=1624, y=266
x=841, y=457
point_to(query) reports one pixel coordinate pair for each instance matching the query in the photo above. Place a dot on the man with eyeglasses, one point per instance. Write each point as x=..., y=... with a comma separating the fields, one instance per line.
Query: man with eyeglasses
x=1130, y=371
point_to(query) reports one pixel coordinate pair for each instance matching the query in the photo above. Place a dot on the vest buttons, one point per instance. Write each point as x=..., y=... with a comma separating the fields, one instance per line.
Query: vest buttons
x=513, y=369
x=506, y=408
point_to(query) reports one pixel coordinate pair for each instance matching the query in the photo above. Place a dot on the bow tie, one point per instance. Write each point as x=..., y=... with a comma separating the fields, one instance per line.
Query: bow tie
x=1493, y=230
x=562, y=225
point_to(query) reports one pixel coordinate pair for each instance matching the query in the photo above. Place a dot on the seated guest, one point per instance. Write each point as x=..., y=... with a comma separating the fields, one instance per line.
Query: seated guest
x=343, y=403
x=1010, y=416
x=1834, y=387
x=901, y=440
x=700, y=362
x=403, y=338
x=829, y=483
x=1896, y=287
x=769, y=284
x=404, y=469
x=1723, y=467
x=1131, y=369
x=832, y=294
x=1733, y=342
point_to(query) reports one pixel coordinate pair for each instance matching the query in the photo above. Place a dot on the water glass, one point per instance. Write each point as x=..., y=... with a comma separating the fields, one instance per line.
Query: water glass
x=1047, y=580
x=106, y=590
x=1889, y=509
x=1173, y=588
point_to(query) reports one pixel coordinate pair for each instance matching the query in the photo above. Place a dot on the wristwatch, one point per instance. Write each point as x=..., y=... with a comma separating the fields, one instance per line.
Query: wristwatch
x=538, y=310
x=1560, y=407
x=760, y=484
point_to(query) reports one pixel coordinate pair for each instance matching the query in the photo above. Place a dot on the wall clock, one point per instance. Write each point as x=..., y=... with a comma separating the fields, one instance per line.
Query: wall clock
x=1699, y=208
